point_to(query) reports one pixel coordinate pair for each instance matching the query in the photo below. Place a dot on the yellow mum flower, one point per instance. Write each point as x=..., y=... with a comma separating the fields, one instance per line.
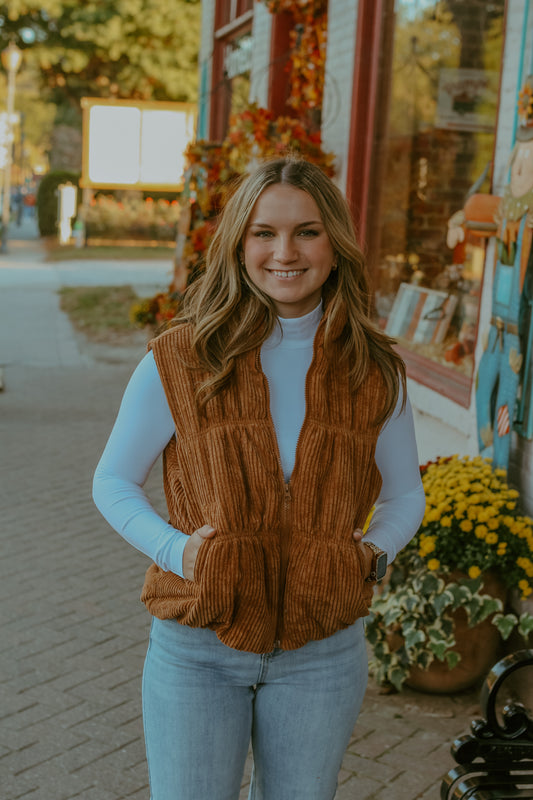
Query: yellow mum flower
x=466, y=525
x=481, y=531
x=427, y=545
x=492, y=538
x=433, y=564
x=446, y=522
x=474, y=572
x=527, y=565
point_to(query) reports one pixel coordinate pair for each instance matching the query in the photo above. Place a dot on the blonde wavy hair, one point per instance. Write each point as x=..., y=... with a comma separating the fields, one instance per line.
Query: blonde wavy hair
x=230, y=315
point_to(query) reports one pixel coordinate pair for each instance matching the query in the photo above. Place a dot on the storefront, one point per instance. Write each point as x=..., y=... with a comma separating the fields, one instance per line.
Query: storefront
x=420, y=109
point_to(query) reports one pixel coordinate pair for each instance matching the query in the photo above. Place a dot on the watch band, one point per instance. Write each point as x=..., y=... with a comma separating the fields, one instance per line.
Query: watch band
x=379, y=562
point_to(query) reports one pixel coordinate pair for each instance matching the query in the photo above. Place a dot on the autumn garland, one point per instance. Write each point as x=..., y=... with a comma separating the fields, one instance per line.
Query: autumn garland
x=257, y=133
x=308, y=50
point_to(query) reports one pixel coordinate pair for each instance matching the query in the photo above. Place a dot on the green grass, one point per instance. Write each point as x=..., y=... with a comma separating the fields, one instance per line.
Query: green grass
x=69, y=253
x=100, y=312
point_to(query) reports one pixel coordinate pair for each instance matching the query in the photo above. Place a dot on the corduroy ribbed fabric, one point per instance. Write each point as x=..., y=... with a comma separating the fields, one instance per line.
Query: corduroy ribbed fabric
x=282, y=568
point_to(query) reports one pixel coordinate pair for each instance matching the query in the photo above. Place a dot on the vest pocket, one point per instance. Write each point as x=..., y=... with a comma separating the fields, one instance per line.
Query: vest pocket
x=233, y=591
x=325, y=587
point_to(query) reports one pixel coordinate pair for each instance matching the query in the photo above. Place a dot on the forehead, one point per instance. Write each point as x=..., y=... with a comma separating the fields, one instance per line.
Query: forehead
x=283, y=202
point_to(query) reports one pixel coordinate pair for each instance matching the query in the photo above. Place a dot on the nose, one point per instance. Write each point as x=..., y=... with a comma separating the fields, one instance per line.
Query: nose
x=285, y=251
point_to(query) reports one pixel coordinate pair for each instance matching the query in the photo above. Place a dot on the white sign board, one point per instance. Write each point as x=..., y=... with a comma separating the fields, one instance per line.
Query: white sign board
x=238, y=57
x=135, y=145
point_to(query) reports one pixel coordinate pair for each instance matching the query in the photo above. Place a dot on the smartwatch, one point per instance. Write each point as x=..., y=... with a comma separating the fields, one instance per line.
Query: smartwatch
x=379, y=563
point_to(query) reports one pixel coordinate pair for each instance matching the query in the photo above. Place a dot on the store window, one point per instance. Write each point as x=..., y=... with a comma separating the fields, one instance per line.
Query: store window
x=433, y=141
x=232, y=59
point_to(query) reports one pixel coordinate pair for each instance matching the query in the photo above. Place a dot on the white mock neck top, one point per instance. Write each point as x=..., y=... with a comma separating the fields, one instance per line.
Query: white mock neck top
x=285, y=358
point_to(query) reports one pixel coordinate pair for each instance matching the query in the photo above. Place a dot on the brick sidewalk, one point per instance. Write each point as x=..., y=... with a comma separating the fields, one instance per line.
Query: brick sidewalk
x=74, y=633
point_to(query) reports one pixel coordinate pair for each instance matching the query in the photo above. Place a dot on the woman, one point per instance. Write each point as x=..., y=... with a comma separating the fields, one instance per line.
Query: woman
x=282, y=417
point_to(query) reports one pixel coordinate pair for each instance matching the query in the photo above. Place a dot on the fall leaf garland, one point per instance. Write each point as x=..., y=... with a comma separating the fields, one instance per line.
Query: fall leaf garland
x=308, y=39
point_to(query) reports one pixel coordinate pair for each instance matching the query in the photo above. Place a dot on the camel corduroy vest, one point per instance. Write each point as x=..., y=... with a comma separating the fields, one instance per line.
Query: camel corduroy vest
x=282, y=568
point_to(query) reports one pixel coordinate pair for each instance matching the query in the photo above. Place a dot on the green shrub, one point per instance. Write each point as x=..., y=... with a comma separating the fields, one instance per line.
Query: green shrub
x=47, y=198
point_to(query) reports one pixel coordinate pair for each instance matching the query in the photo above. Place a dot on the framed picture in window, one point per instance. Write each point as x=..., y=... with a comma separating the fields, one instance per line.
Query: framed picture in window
x=420, y=314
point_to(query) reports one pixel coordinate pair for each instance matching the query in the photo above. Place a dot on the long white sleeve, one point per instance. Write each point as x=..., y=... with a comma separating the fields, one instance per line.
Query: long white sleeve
x=401, y=504
x=143, y=428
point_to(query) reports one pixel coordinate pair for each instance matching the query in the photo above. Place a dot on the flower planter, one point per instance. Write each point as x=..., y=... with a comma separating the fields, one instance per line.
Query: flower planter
x=474, y=545
x=479, y=648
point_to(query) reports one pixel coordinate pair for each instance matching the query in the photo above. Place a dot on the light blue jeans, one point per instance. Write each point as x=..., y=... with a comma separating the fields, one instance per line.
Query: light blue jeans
x=203, y=703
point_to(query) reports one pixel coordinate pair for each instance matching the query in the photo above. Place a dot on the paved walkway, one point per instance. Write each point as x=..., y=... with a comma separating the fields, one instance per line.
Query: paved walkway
x=73, y=631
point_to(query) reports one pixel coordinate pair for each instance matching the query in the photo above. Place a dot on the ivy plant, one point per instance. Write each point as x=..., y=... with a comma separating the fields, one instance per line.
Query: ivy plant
x=411, y=622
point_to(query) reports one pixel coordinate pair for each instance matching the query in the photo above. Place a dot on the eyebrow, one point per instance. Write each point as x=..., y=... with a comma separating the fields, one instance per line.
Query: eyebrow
x=300, y=224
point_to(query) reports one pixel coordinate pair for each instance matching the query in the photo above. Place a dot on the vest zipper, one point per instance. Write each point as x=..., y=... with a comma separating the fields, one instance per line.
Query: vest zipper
x=286, y=529
x=284, y=559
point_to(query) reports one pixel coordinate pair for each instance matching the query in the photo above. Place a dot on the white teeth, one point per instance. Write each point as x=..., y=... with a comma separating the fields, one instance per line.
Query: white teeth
x=287, y=273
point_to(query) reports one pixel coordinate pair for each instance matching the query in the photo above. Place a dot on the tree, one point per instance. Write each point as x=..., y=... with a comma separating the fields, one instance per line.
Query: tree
x=135, y=49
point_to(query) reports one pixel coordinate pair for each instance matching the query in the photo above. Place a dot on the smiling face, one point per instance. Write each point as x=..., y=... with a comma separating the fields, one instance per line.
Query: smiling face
x=287, y=252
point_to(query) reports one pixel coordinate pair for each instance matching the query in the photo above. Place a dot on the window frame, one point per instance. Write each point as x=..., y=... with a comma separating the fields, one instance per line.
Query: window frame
x=239, y=23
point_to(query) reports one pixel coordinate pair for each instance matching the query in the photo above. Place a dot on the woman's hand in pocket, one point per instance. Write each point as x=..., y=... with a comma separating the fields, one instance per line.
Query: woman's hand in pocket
x=190, y=551
x=366, y=551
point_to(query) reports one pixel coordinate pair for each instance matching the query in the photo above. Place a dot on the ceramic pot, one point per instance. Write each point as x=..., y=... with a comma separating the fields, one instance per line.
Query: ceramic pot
x=479, y=648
